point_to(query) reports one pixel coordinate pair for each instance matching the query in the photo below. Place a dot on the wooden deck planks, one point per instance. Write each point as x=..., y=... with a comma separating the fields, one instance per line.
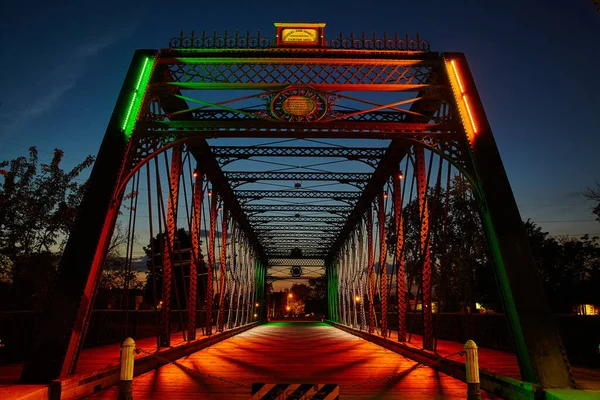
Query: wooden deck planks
x=294, y=353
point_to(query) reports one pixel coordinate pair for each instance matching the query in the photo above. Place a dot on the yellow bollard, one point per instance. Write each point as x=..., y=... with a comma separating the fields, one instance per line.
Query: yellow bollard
x=125, y=387
x=472, y=365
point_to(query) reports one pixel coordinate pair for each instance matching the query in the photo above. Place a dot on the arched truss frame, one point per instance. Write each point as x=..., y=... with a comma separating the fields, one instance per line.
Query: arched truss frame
x=154, y=114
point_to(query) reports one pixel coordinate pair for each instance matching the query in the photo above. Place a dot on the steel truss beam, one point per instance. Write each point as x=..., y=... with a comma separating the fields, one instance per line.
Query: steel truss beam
x=260, y=128
x=281, y=218
x=294, y=239
x=295, y=194
x=342, y=177
x=273, y=278
x=297, y=235
x=351, y=153
x=273, y=228
x=304, y=261
x=281, y=254
x=263, y=208
x=248, y=70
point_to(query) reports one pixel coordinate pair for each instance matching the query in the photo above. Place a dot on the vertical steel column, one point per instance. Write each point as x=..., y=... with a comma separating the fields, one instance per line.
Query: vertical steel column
x=211, y=262
x=355, y=278
x=169, y=247
x=232, y=271
x=382, y=265
x=340, y=289
x=223, y=269
x=195, y=253
x=371, y=270
x=361, y=280
x=400, y=278
x=425, y=248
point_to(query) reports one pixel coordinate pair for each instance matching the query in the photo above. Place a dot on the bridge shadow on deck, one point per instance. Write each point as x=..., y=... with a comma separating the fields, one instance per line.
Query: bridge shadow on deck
x=294, y=352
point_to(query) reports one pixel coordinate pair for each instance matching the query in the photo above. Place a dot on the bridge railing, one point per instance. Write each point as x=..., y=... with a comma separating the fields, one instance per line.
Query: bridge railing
x=17, y=328
x=580, y=333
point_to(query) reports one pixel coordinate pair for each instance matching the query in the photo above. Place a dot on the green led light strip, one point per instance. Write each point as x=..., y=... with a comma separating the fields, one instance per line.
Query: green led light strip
x=138, y=96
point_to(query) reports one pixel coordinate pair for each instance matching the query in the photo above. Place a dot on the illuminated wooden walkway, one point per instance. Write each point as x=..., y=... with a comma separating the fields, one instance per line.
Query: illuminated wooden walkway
x=294, y=352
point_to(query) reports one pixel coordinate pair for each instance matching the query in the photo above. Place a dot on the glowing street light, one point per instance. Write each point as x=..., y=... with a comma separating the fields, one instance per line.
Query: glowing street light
x=290, y=295
x=357, y=298
x=287, y=308
x=257, y=304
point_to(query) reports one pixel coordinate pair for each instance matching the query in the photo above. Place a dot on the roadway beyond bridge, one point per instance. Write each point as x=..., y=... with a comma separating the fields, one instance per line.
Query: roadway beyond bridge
x=295, y=352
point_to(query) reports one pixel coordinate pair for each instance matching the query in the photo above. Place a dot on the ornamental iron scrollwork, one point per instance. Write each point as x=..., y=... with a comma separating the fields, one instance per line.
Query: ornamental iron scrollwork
x=374, y=42
x=225, y=41
x=239, y=40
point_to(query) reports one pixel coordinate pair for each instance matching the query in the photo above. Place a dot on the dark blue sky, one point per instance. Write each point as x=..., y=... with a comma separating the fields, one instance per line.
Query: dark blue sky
x=536, y=65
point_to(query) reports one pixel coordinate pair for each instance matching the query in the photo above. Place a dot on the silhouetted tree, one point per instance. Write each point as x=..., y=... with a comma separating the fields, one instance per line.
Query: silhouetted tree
x=38, y=204
x=593, y=194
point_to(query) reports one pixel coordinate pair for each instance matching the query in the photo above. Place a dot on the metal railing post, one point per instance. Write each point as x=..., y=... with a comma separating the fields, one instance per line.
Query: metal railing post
x=472, y=366
x=125, y=386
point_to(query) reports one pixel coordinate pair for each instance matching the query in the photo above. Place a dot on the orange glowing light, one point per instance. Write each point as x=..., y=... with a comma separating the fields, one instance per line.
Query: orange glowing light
x=210, y=192
x=464, y=96
x=357, y=298
x=400, y=176
x=290, y=295
x=195, y=174
x=385, y=195
x=469, y=112
x=288, y=308
x=257, y=304
x=462, y=91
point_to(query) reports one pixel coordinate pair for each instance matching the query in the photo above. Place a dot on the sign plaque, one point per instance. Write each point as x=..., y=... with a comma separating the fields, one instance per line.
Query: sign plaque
x=300, y=34
x=299, y=105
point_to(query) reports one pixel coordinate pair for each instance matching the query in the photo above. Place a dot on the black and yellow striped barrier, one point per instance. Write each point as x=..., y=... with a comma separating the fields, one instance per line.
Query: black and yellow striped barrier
x=295, y=391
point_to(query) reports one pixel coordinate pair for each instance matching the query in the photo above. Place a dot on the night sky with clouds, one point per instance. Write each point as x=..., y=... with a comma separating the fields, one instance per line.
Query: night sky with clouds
x=536, y=65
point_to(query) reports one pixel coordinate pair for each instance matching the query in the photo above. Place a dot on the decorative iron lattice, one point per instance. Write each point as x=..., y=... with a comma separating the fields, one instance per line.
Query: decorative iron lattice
x=237, y=40
x=287, y=261
x=283, y=253
x=270, y=228
x=263, y=208
x=317, y=74
x=295, y=194
x=292, y=218
x=352, y=153
x=325, y=236
x=381, y=43
x=342, y=177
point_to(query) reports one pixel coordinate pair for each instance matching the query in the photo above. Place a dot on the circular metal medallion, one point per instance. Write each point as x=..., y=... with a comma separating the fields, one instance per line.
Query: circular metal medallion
x=296, y=271
x=298, y=104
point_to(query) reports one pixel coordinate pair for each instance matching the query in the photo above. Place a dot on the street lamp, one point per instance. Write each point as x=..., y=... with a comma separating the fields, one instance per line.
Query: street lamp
x=357, y=298
x=288, y=301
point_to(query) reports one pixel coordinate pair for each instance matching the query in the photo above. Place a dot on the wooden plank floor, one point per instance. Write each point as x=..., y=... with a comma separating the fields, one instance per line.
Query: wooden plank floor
x=294, y=352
